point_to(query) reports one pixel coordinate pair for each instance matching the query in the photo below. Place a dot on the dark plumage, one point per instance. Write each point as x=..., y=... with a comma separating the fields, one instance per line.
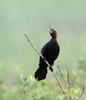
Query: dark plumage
x=50, y=51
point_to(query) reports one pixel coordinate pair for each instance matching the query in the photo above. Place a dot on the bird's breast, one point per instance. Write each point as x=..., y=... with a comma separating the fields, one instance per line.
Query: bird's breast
x=53, y=52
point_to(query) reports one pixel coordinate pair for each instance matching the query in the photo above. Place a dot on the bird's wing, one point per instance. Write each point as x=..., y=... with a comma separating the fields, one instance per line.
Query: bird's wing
x=44, y=53
x=44, y=49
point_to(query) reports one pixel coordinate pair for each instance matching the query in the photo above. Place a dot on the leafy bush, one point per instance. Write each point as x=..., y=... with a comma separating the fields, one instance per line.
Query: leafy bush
x=27, y=88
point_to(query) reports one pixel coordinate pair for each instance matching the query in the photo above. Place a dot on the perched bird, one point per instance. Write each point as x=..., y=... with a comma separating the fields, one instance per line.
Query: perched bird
x=50, y=51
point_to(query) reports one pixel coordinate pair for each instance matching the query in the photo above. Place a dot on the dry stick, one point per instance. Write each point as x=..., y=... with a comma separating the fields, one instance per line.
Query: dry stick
x=62, y=76
x=68, y=83
x=46, y=63
x=68, y=79
x=82, y=92
x=63, y=80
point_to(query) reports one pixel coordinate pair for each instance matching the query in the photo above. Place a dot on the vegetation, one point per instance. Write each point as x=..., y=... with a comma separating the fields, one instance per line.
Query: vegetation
x=27, y=88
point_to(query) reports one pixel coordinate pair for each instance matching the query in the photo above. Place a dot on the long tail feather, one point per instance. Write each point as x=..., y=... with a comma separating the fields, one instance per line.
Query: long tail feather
x=40, y=74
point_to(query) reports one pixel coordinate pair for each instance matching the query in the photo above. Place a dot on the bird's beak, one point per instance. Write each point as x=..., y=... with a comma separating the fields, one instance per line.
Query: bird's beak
x=49, y=29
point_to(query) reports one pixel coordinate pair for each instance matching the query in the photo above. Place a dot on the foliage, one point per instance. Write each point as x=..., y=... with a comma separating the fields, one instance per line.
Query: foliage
x=27, y=88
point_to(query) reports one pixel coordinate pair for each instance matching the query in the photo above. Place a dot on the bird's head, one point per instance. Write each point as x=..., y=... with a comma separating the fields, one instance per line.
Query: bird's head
x=53, y=33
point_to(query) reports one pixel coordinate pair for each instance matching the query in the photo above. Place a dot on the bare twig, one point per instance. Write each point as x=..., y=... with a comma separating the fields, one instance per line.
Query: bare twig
x=68, y=88
x=69, y=85
x=62, y=76
x=82, y=92
x=68, y=79
x=46, y=63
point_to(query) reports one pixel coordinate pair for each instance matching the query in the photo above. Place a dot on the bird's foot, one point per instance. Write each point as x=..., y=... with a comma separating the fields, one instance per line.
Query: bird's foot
x=50, y=68
x=44, y=59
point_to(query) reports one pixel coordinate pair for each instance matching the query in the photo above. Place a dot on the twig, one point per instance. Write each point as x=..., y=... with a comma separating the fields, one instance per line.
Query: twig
x=46, y=63
x=82, y=92
x=65, y=80
x=69, y=86
x=68, y=79
x=62, y=76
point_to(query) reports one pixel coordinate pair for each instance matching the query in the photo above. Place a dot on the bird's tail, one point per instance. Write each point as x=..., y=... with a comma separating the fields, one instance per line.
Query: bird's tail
x=40, y=74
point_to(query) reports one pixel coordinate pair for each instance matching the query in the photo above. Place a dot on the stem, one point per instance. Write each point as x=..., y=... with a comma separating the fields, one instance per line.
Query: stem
x=62, y=76
x=58, y=82
x=69, y=86
x=82, y=92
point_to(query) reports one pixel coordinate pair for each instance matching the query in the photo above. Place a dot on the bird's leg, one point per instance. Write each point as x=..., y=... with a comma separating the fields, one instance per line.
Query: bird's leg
x=44, y=59
x=51, y=68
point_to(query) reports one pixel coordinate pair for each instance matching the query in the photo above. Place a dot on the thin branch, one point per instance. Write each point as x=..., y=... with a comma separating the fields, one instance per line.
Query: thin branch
x=69, y=85
x=46, y=63
x=58, y=82
x=82, y=92
x=32, y=45
x=62, y=76
x=68, y=79
x=65, y=80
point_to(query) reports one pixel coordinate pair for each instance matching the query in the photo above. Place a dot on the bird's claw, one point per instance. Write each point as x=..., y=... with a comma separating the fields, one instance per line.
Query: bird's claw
x=50, y=68
x=44, y=59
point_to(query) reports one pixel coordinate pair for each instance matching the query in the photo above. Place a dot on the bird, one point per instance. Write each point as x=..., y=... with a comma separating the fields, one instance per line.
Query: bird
x=50, y=52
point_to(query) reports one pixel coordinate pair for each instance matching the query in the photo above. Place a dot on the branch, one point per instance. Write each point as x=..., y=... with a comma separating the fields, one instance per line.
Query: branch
x=62, y=76
x=82, y=92
x=69, y=86
x=46, y=63
x=68, y=79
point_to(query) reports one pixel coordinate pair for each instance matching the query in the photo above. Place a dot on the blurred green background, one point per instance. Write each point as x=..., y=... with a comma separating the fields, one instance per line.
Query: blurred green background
x=67, y=17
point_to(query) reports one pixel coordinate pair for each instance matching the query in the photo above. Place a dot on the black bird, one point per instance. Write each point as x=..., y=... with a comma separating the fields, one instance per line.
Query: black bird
x=50, y=51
